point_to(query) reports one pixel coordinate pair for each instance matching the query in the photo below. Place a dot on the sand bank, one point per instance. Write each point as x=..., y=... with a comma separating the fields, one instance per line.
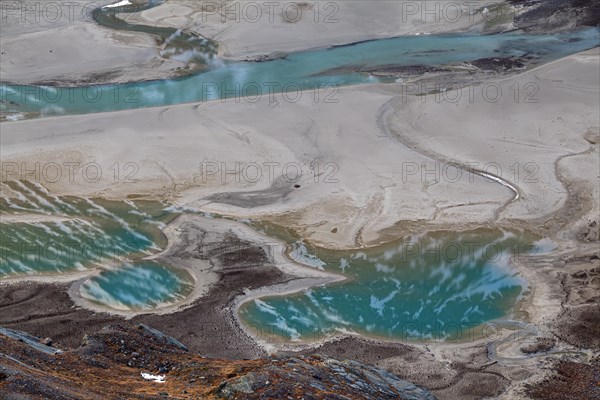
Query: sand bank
x=255, y=30
x=30, y=218
x=352, y=179
x=59, y=43
x=531, y=134
x=350, y=176
x=51, y=44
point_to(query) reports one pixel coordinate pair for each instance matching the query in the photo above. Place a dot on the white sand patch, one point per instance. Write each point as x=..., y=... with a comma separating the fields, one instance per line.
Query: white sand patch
x=31, y=218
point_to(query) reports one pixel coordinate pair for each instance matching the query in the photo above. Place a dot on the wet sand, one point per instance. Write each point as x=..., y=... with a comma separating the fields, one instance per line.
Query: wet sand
x=47, y=309
x=447, y=370
x=227, y=260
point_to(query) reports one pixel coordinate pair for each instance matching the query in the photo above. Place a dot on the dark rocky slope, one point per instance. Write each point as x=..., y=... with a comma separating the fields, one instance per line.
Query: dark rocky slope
x=545, y=16
x=109, y=365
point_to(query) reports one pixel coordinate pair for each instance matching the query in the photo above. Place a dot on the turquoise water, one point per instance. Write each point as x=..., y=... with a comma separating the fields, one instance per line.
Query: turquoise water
x=450, y=284
x=72, y=233
x=175, y=44
x=293, y=74
x=435, y=286
x=68, y=234
x=139, y=286
x=439, y=286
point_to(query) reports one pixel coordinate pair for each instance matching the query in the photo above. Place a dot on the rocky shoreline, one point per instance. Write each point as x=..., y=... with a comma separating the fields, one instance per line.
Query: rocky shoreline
x=543, y=16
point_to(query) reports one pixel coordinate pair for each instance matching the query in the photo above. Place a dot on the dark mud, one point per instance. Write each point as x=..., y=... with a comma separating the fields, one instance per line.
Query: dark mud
x=461, y=378
x=579, y=323
x=571, y=380
x=546, y=16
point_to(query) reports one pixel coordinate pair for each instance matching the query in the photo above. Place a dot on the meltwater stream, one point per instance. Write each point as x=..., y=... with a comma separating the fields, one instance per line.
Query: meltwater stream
x=292, y=75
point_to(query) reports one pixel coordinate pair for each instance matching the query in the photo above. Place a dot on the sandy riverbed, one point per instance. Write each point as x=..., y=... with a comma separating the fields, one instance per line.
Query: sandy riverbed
x=374, y=179
x=50, y=44
x=247, y=30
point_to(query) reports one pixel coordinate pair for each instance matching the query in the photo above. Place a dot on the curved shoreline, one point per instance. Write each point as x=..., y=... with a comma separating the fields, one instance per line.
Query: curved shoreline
x=382, y=123
x=145, y=312
x=203, y=274
x=474, y=335
x=304, y=277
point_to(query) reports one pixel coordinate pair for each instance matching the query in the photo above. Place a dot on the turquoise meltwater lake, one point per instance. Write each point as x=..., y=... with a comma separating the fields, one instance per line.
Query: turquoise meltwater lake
x=437, y=286
x=60, y=235
x=430, y=287
x=66, y=234
x=144, y=285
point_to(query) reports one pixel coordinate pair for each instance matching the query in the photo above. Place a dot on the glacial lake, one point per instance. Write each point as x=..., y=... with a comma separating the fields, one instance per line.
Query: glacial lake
x=144, y=285
x=434, y=286
x=437, y=286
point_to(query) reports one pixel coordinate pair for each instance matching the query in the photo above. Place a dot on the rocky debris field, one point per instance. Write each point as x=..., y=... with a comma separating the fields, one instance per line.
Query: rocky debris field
x=571, y=381
x=137, y=362
x=553, y=15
